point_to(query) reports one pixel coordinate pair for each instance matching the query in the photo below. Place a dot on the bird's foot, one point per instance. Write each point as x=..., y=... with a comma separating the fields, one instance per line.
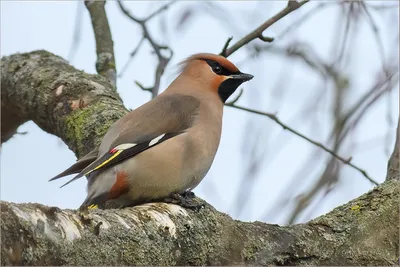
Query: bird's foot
x=186, y=200
x=188, y=194
x=85, y=215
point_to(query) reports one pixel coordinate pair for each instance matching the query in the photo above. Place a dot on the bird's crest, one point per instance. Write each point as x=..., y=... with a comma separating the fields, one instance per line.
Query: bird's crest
x=204, y=56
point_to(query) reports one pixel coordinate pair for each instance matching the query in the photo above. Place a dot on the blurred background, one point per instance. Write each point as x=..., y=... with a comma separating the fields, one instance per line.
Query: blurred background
x=331, y=74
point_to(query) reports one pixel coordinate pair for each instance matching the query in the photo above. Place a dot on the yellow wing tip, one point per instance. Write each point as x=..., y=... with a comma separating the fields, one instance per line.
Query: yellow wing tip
x=104, y=162
x=93, y=206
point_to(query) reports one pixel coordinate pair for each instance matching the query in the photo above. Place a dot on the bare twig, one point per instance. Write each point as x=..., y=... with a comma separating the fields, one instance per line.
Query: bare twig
x=257, y=33
x=389, y=84
x=131, y=56
x=346, y=34
x=363, y=99
x=286, y=127
x=308, y=56
x=105, y=64
x=223, y=52
x=340, y=130
x=383, y=7
x=77, y=31
x=161, y=9
x=266, y=38
x=325, y=181
x=141, y=86
x=307, y=15
x=375, y=31
x=233, y=101
x=162, y=60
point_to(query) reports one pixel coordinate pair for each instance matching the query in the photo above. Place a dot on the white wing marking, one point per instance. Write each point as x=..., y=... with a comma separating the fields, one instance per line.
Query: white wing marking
x=155, y=140
x=124, y=146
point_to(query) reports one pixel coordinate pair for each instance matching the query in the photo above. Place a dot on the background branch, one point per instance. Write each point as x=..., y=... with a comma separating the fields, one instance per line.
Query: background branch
x=76, y=39
x=105, y=64
x=157, y=48
x=318, y=144
x=258, y=33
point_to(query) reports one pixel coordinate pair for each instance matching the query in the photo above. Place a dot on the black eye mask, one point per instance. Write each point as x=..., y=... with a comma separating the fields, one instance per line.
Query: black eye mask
x=218, y=69
x=229, y=86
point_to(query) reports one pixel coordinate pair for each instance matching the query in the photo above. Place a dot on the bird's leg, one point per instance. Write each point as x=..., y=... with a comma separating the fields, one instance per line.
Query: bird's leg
x=185, y=200
x=189, y=194
x=84, y=215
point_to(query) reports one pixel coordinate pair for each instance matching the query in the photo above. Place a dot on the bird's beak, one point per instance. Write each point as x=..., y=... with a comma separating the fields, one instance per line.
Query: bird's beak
x=241, y=76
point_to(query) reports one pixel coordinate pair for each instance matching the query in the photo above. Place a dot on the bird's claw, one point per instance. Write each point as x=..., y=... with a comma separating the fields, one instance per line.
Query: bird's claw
x=85, y=215
x=186, y=200
x=188, y=194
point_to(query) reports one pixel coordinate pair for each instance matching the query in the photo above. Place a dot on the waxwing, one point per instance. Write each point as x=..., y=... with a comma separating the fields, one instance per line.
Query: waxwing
x=165, y=147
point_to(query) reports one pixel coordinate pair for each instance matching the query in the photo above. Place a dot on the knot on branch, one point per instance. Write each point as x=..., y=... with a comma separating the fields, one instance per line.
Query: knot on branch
x=105, y=65
x=293, y=4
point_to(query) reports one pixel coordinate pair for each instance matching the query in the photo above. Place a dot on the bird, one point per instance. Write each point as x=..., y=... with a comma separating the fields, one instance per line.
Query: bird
x=165, y=147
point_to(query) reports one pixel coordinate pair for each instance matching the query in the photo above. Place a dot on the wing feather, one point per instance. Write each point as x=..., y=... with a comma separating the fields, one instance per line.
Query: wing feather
x=121, y=153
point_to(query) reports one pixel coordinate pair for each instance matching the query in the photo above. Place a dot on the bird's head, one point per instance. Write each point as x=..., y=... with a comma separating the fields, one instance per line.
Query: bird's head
x=215, y=73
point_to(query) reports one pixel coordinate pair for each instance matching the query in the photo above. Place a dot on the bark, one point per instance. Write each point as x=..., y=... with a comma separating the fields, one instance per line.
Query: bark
x=61, y=100
x=363, y=232
x=105, y=64
x=79, y=108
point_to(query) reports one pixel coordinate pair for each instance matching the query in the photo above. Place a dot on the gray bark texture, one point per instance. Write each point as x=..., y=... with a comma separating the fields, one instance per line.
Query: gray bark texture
x=79, y=108
x=75, y=106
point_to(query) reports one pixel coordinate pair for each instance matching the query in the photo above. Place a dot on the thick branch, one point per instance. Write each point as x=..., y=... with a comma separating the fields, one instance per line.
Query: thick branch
x=105, y=64
x=393, y=169
x=66, y=102
x=165, y=234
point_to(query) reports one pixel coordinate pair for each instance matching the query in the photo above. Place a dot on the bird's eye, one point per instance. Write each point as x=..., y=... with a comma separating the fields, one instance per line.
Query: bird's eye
x=217, y=68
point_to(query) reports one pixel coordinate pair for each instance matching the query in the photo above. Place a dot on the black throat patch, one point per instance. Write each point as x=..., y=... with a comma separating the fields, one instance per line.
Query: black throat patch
x=227, y=88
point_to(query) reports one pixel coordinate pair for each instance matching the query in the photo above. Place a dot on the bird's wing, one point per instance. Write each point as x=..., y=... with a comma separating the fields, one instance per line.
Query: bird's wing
x=151, y=124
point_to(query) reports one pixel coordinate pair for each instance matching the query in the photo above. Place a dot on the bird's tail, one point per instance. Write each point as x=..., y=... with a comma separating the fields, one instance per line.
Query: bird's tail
x=79, y=165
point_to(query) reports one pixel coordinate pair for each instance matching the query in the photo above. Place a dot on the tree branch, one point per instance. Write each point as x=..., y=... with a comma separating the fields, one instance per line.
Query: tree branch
x=105, y=64
x=228, y=41
x=162, y=60
x=258, y=33
x=75, y=106
x=166, y=234
x=76, y=39
x=393, y=169
x=131, y=56
x=318, y=144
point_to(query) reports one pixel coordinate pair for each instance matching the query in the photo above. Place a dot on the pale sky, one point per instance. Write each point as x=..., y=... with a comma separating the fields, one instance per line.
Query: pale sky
x=28, y=161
